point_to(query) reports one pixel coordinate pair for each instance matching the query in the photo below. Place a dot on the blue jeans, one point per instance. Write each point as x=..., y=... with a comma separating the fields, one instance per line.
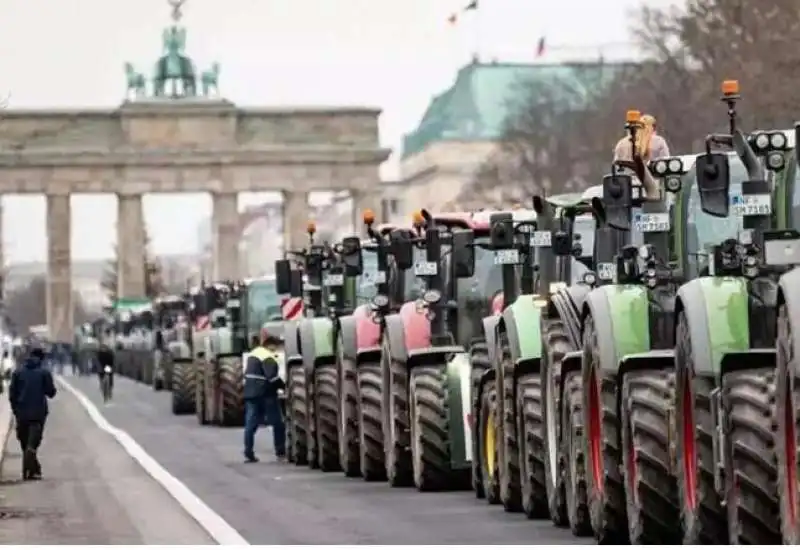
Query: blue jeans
x=257, y=411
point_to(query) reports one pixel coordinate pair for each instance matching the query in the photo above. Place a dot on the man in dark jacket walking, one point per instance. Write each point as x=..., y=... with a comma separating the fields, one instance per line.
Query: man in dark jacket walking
x=31, y=387
x=261, y=385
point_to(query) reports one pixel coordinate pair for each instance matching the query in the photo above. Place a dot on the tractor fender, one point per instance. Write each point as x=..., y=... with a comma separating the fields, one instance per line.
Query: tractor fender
x=521, y=322
x=567, y=304
x=316, y=341
x=416, y=327
x=438, y=355
x=291, y=339
x=394, y=334
x=489, y=327
x=789, y=294
x=347, y=337
x=716, y=309
x=368, y=336
x=621, y=319
x=459, y=397
x=571, y=362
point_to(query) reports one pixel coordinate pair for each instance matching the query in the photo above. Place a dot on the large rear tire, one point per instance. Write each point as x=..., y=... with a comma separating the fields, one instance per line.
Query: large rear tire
x=349, y=456
x=652, y=503
x=430, y=429
x=530, y=431
x=572, y=437
x=750, y=464
x=231, y=387
x=788, y=428
x=555, y=344
x=370, y=422
x=487, y=456
x=299, y=414
x=326, y=388
x=201, y=411
x=479, y=360
x=508, y=447
x=396, y=426
x=183, y=388
x=703, y=518
x=605, y=488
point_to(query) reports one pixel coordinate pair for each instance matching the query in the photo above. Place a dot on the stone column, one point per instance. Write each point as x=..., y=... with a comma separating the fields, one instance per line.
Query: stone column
x=59, y=270
x=296, y=214
x=131, y=252
x=361, y=201
x=225, y=234
x=3, y=271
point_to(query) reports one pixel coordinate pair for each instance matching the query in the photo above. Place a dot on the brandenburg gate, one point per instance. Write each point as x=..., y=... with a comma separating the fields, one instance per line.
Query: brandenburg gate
x=172, y=139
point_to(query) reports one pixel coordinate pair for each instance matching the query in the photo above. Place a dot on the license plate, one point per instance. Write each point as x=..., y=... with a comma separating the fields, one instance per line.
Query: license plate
x=751, y=205
x=333, y=279
x=234, y=303
x=425, y=269
x=374, y=277
x=607, y=271
x=541, y=239
x=505, y=257
x=651, y=223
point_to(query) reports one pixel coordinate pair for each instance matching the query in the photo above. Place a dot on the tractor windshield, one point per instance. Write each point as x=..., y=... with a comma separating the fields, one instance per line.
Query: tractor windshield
x=703, y=230
x=366, y=288
x=584, y=227
x=488, y=277
x=263, y=304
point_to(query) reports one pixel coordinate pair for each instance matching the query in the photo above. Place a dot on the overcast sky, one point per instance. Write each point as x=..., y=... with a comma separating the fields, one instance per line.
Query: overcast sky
x=393, y=54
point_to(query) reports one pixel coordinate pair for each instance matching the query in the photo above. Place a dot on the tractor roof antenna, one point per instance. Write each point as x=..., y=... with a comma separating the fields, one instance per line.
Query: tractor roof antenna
x=730, y=95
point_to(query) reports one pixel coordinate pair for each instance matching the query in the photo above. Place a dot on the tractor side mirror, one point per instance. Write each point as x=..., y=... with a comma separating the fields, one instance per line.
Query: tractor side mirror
x=401, y=248
x=501, y=234
x=295, y=283
x=463, y=253
x=283, y=276
x=617, y=201
x=713, y=183
x=352, y=257
x=314, y=266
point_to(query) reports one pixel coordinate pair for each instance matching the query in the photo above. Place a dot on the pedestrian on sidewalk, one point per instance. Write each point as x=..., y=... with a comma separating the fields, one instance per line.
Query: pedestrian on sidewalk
x=261, y=385
x=31, y=386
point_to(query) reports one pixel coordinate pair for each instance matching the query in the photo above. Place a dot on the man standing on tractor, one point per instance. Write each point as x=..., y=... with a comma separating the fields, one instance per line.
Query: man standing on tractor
x=261, y=385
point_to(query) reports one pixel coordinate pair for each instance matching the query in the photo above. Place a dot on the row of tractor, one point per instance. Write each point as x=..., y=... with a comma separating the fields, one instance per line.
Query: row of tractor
x=620, y=362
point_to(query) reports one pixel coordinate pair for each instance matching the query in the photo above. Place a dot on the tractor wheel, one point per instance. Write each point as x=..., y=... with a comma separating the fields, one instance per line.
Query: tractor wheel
x=396, y=426
x=326, y=393
x=168, y=363
x=647, y=402
x=299, y=415
x=786, y=440
x=231, y=387
x=158, y=370
x=349, y=456
x=147, y=369
x=486, y=454
x=605, y=488
x=430, y=429
x=530, y=430
x=572, y=434
x=313, y=419
x=183, y=388
x=370, y=422
x=555, y=345
x=703, y=517
x=479, y=360
x=750, y=466
x=200, y=397
x=508, y=447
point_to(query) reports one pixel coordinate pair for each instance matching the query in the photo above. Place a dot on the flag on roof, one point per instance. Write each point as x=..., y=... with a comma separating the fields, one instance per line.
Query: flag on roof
x=453, y=19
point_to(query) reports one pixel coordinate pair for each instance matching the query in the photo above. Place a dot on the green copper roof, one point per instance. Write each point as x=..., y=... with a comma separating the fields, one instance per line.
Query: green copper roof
x=476, y=106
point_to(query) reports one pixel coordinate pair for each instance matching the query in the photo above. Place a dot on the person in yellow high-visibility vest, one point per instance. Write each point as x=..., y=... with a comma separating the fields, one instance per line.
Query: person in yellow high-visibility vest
x=261, y=385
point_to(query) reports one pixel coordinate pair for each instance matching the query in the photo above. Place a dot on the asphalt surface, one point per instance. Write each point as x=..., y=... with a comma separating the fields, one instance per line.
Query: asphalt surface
x=92, y=491
x=272, y=503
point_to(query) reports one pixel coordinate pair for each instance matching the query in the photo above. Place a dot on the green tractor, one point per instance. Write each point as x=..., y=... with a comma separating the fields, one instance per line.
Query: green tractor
x=725, y=360
x=172, y=338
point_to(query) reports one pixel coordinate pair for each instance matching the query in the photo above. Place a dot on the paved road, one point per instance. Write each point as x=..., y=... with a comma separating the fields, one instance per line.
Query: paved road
x=271, y=503
x=93, y=492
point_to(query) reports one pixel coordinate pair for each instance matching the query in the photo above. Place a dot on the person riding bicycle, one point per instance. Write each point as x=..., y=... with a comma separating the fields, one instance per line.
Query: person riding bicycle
x=649, y=145
x=105, y=365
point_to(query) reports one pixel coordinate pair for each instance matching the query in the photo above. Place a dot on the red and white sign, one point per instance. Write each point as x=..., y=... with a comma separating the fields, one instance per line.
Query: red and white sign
x=202, y=322
x=292, y=308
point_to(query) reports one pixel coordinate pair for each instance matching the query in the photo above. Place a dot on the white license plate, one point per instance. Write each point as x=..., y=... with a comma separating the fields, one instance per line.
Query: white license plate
x=505, y=257
x=234, y=303
x=541, y=239
x=751, y=205
x=373, y=277
x=607, y=271
x=333, y=279
x=425, y=269
x=651, y=223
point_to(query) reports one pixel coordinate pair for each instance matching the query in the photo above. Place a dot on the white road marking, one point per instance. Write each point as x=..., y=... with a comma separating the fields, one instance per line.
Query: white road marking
x=219, y=529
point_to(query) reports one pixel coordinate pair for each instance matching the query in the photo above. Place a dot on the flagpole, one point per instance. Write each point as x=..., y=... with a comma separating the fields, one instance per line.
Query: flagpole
x=476, y=54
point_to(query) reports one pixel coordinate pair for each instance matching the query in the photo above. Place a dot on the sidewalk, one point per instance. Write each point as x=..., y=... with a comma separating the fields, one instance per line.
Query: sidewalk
x=92, y=491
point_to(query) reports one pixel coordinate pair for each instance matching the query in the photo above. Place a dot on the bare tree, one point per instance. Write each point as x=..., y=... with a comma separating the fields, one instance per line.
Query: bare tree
x=153, y=281
x=28, y=306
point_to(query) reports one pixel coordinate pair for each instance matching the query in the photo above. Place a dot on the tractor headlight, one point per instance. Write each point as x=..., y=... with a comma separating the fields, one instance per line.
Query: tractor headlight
x=660, y=167
x=672, y=184
x=750, y=261
x=777, y=140
x=762, y=141
x=650, y=273
x=589, y=278
x=775, y=160
x=676, y=166
x=380, y=301
x=751, y=272
x=431, y=297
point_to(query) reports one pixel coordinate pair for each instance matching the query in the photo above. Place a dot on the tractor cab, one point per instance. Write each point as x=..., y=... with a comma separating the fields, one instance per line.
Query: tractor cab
x=302, y=274
x=260, y=306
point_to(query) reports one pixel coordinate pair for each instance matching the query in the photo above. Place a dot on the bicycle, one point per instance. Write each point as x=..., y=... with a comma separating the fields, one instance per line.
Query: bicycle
x=106, y=385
